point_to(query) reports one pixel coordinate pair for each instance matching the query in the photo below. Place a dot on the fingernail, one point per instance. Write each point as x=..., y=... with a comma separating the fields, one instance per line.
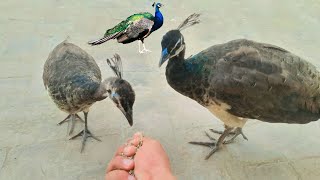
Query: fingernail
x=127, y=162
x=130, y=177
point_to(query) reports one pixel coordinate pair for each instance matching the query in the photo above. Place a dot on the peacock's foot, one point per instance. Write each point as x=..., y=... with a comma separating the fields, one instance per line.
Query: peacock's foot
x=85, y=133
x=144, y=51
x=72, y=118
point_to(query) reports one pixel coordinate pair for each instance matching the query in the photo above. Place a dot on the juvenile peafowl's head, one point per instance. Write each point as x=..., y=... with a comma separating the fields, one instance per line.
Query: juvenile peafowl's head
x=173, y=42
x=123, y=96
x=172, y=45
x=157, y=5
x=120, y=90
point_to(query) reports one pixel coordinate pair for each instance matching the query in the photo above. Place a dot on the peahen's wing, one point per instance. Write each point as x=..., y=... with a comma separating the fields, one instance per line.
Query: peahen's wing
x=266, y=82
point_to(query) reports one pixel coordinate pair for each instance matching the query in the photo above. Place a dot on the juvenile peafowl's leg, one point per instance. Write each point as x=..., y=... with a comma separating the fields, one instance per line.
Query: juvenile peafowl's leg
x=72, y=118
x=215, y=145
x=85, y=133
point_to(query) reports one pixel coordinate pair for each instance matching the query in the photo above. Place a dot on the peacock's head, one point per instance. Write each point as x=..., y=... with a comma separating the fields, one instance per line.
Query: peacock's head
x=173, y=42
x=157, y=5
x=172, y=45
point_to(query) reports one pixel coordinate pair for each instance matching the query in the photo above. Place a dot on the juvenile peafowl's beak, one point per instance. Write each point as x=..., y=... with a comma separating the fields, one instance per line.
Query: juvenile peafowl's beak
x=164, y=56
x=128, y=114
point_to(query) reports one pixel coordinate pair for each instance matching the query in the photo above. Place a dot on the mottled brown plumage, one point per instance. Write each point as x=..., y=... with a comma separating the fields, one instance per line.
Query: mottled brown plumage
x=257, y=80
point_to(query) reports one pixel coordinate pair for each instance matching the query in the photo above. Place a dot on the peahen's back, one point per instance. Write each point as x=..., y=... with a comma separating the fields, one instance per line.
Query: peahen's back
x=256, y=80
x=71, y=77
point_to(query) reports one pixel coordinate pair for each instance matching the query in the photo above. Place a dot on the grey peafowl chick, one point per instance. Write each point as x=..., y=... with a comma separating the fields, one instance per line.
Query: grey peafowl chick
x=241, y=80
x=73, y=81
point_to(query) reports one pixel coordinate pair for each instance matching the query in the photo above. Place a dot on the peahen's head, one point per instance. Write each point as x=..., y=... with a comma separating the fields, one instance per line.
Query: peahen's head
x=157, y=5
x=172, y=45
x=120, y=90
x=173, y=42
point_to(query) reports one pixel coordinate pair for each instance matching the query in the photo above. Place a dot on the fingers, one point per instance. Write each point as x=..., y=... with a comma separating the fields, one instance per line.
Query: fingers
x=136, y=140
x=119, y=175
x=120, y=150
x=120, y=163
x=129, y=151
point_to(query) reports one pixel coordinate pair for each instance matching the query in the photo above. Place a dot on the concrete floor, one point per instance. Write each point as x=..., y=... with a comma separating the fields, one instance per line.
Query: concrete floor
x=32, y=146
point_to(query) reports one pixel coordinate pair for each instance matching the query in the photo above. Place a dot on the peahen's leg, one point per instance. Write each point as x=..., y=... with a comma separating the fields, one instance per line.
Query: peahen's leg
x=215, y=145
x=237, y=131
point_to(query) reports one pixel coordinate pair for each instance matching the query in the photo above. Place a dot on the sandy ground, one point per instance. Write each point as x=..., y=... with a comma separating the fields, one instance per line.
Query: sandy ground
x=32, y=146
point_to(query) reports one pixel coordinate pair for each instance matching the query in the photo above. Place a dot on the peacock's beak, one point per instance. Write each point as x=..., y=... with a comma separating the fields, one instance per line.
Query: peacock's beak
x=164, y=57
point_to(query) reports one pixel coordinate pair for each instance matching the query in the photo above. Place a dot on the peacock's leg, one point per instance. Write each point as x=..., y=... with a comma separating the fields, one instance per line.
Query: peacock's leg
x=140, y=51
x=144, y=48
x=215, y=145
x=85, y=133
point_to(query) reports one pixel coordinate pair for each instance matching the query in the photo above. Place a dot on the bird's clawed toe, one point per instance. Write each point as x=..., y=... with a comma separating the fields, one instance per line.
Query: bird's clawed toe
x=215, y=145
x=235, y=133
x=85, y=134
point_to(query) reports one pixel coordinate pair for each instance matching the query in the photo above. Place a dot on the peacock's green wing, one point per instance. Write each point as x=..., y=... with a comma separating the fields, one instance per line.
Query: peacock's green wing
x=131, y=20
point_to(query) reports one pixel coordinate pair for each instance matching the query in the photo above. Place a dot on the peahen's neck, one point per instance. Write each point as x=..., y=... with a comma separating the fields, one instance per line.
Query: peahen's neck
x=158, y=20
x=185, y=76
x=177, y=73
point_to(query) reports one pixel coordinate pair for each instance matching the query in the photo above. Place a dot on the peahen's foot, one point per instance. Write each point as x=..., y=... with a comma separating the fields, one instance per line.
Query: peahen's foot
x=215, y=145
x=85, y=133
x=72, y=118
x=235, y=133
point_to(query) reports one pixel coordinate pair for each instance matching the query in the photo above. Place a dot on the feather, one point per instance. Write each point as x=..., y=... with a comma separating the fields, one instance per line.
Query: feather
x=190, y=21
x=116, y=65
x=102, y=40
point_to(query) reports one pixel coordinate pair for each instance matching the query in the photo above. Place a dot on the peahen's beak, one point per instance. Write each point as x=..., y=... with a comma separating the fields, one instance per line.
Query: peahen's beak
x=164, y=56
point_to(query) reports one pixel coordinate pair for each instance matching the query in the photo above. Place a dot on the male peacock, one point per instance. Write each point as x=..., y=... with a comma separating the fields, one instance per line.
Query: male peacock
x=73, y=80
x=242, y=80
x=135, y=27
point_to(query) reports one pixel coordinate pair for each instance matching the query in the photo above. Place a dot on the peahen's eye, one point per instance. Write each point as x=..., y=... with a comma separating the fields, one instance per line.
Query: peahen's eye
x=109, y=91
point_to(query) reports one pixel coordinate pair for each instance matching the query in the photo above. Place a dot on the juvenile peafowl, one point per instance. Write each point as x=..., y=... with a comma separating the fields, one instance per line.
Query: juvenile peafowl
x=73, y=81
x=135, y=27
x=242, y=80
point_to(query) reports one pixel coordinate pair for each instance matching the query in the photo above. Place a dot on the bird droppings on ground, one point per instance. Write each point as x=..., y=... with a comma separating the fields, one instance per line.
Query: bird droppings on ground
x=32, y=146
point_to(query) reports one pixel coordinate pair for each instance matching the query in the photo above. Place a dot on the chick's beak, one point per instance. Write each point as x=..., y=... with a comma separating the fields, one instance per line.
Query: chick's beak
x=128, y=115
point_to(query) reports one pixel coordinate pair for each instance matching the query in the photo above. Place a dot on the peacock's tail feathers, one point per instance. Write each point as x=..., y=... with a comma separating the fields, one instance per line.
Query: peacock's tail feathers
x=102, y=40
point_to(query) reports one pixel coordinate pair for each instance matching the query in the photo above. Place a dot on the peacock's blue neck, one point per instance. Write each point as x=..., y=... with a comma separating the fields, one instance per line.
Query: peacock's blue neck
x=158, y=20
